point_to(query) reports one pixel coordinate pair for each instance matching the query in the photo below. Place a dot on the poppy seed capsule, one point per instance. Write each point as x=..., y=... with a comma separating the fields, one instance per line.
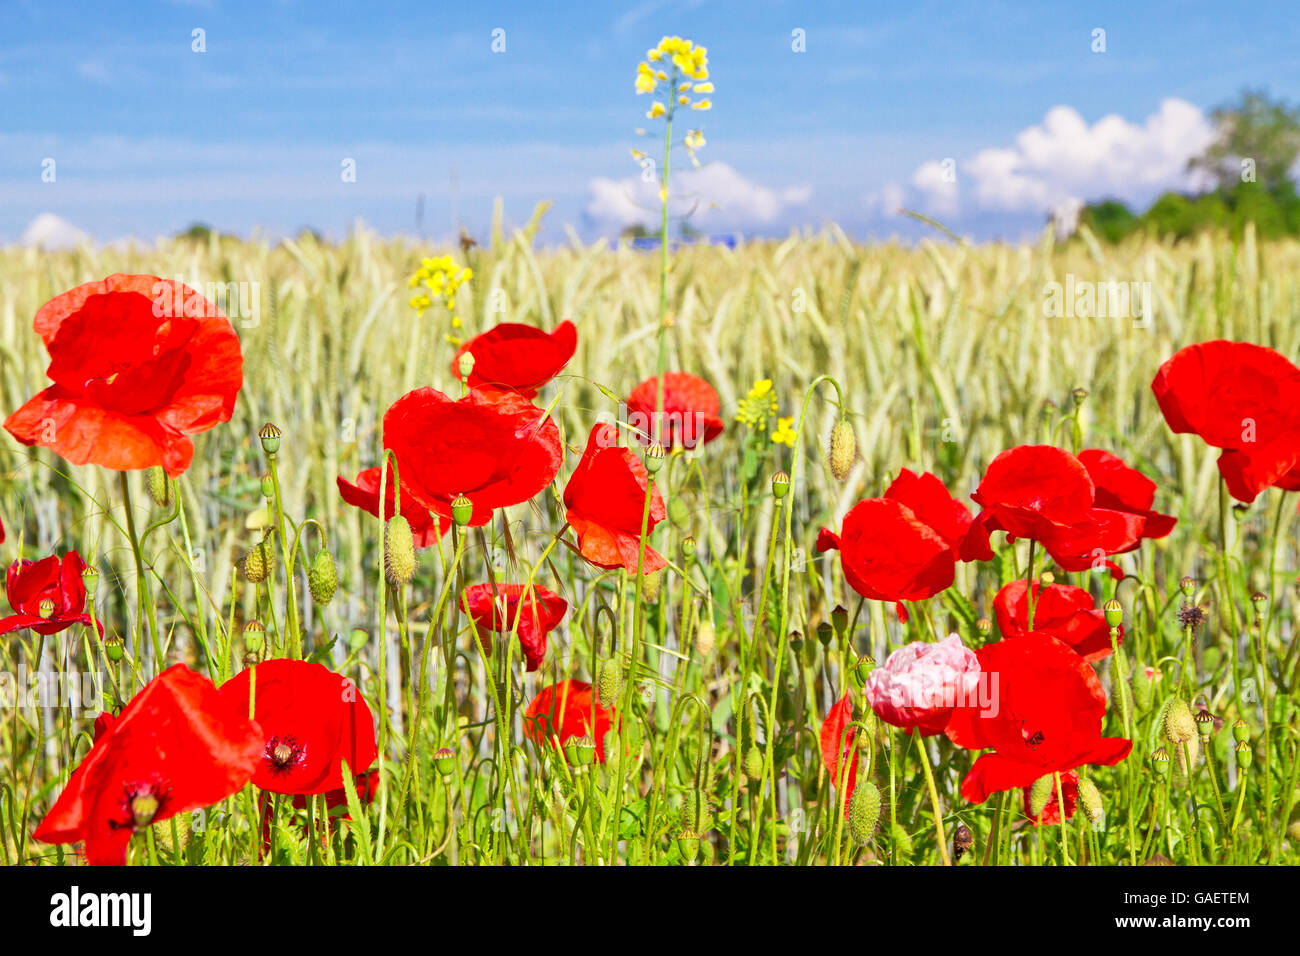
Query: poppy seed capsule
x=465, y=364
x=90, y=580
x=1204, y=723
x=160, y=489
x=444, y=759
x=1240, y=730
x=322, y=578
x=270, y=436
x=258, y=562
x=1188, y=586
x=580, y=750
x=780, y=485
x=840, y=619
x=1180, y=725
x=688, y=844
x=843, y=449
x=1244, y=754
x=254, y=634
x=46, y=608
x=1040, y=795
x=462, y=509
x=1114, y=612
x=1090, y=800
x=113, y=647
x=864, y=811
x=399, y=551
x=688, y=549
x=654, y=457
x=268, y=487
x=1160, y=761
x=144, y=807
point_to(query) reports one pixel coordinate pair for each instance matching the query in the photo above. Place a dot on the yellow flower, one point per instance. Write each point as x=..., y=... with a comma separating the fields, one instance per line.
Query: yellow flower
x=758, y=406
x=684, y=100
x=702, y=105
x=703, y=87
x=785, y=433
x=694, y=140
x=656, y=111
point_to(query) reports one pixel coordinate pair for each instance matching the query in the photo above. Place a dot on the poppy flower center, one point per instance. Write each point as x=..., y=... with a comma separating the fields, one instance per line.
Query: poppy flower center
x=141, y=805
x=284, y=754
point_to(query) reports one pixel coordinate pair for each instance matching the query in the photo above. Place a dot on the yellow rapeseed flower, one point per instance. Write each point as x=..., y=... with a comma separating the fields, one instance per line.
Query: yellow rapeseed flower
x=785, y=433
x=656, y=111
x=702, y=105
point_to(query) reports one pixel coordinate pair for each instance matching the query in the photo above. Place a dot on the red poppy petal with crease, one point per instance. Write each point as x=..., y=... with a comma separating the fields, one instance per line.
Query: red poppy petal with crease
x=691, y=405
x=513, y=356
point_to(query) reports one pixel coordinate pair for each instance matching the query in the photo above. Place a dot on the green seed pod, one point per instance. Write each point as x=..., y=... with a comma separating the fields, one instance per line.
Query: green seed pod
x=780, y=485
x=358, y=638
x=399, y=551
x=654, y=457
x=270, y=436
x=1180, y=726
x=901, y=843
x=46, y=608
x=1090, y=800
x=90, y=580
x=1243, y=754
x=254, y=636
x=688, y=844
x=864, y=811
x=465, y=364
x=114, y=647
x=1114, y=612
x=322, y=578
x=259, y=562
x=1040, y=795
x=144, y=808
x=843, y=449
x=706, y=637
x=1160, y=761
x=268, y=487
x=651, y=582
x=580, y=751
x=609, y=681
x=160, y=487
x=1188, y=586
x=1240, y=730
x=1204, y=723
x=462, y=509
x=753, y=763
x=444, y=760
x=679, y=513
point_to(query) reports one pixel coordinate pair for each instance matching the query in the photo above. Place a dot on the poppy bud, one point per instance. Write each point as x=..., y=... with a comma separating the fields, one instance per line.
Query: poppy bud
x=268, y=487
x=963, y=841
x=688, y=844
x=399, y=551
x=358, y=639
x=825, y=633
x=46, y=608
x=580, y=751
x=651, y=581
x=1040, y=795
x=678, y=513
x=840, y=619
x=696, y=813
x=444, y=759
x=843, y=449
x=270, y=436
x=1244, y=754
x=901, y=842
x=1180, y=725
x=160, y=489
x=144, y=807
x=688, y=549
x=1114, y=612
x=259, y=562
x=1160, y=761
x=633, y=739
x=706, y=636
x=654, y=457
x=462, y=509
x=254, y=634
x=1090, y=800
x=113, y=647
x=1204, y=723
x=753, y=763
x=1144, y=679
x=465, y=365
x=1047, y=579
x=864, y=811
x=322, y=578
x=780, y=485
x=984, y=625
x=1240, y=730
x=609, y=682
x=1188, y=586
x=90, y=579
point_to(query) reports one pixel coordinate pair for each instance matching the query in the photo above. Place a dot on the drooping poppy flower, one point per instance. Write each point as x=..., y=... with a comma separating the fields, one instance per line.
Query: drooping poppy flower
x=920, y=683
x=1044, y=715
x=47, y=595
x=498, y=608
x=516, y=357
x=1061, y=611
x=836, y=744
x=1120, y=487
x=178, y=745
x=498, y=450
x=605, y=500
x=1046, y=494
x=312, y=720
x=903, y=546
x=1051, y=814
x=364, y=494
x=568, y=709
x=1242, y=398
x=138, y=364
x=690, y=415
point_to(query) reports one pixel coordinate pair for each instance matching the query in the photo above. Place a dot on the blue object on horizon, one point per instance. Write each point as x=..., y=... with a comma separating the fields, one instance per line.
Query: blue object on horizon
x=651, y=243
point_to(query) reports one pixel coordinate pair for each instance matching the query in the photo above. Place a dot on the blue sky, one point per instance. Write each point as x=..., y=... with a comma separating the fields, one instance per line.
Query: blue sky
x=148, y=135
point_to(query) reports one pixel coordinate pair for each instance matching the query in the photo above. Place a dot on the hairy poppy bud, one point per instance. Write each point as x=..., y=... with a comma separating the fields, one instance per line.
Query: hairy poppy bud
x=270, y=436
x=864, y=811
x=1114, y=612
x=651, y=582
x=1160, y=761
x=609, y=681
x=1240, y=730
x=580, y=751
x=696, y=812
x=113, y=647
x=1090, y=800
x=780, y=485
x=1144, y=679
x=254, y=635
x=963, y=841
x=1243, y=753
x=901, y=843
x=399, y=551
x=1040, y=795
x=462, y=509
x=843, y=449
x=465, y=364
x=706, y=636
x=259, y=561
x=444, y=760
x=753, y=763
x=654, y=457
x=322, y=578
x=160, y=488
x=1180, y=726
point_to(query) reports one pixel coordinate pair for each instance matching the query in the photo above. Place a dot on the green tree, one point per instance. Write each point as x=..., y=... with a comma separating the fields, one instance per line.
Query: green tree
x=1257, y=140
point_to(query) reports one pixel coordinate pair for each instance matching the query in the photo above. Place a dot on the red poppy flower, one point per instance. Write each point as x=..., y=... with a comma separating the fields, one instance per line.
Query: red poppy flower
x=139, y=364
x=920, y=683
x=175, y=747
x=903, y=546
x=691, y=409
x=312, y=720
x=1044, y=715
x=1121, y=488
x=837, y=718
x=605, y=499
x=1061, y=611
x=364, y=494
x=1046, y=494
x=30, y=584
x=498, y=608
x=568, y=709
x=516, y=357
x=1242, y=398
x=1051, y=814
x=498, y=450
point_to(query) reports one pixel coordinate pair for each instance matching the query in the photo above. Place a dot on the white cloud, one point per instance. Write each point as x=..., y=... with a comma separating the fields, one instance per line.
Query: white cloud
x=49, y=231
x=715, y=196
x=1065, y=159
